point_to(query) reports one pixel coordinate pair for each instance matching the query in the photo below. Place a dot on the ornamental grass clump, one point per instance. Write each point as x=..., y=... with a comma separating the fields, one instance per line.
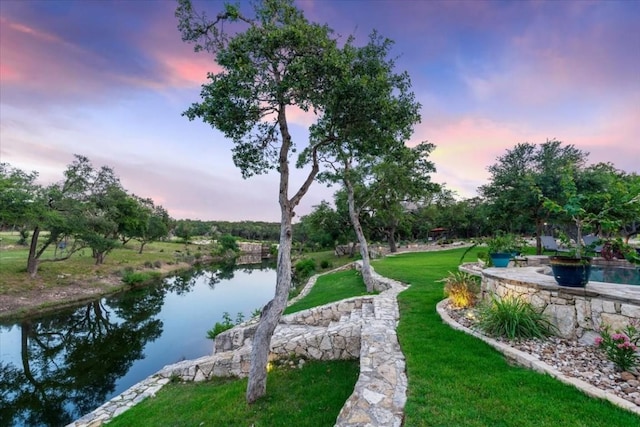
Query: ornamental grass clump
x=512, y=318
x=621, y=347
x=462, y=289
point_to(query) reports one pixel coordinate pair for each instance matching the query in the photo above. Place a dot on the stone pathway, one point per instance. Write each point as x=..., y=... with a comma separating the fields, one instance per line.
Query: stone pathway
x=361, y=327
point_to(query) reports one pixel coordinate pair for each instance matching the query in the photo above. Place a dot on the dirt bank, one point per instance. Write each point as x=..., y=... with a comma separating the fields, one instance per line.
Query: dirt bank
x=32, y=302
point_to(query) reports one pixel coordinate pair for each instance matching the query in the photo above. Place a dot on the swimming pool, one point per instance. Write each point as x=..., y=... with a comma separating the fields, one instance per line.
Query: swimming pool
x=619, y=275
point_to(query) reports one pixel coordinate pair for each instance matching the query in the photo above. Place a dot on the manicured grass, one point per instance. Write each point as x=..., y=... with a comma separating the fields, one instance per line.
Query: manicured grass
x=458, y=380
x=311, y=396
x=330, y=288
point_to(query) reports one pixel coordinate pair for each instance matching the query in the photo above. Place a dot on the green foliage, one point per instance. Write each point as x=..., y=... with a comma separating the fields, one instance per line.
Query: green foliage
x=621, y=346
x=225, y=325
x=462, y=289
x=504, y=243
x=131, y=278
x=513, y=204
x=512, y=318
x=304, y=269
x=325, y=264
x=228, y=244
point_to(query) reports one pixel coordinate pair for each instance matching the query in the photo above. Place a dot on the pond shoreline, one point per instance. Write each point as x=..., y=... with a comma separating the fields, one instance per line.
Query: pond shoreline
x=32, y=303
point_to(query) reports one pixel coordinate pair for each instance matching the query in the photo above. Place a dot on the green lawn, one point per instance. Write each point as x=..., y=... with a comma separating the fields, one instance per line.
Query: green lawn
x=458, y=380
x=330, y=288
x=454, y=379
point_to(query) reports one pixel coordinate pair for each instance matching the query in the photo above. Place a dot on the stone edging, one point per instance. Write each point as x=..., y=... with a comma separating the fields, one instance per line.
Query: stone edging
x=528, y=361
x=380, y=392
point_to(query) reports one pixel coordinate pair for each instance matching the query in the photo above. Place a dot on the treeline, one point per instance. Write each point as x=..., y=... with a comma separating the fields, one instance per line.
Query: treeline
x=186, y=229
x=513, y=201
x=88, y=208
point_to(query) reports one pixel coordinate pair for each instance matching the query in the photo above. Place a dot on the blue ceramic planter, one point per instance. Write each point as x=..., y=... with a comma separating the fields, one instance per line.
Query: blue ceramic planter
x=500, y=259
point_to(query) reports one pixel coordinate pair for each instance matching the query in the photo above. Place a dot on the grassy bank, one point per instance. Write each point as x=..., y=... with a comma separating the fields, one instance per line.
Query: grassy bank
x=311, y=396
x=454, y=379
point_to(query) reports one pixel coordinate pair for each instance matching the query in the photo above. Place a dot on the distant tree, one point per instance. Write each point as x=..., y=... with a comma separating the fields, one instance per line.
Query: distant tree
x=132, y=216
x=88, y=208
x=184, y=230
x=322, y=228
x=615, y=194
x=18, y=190
x=512, y=191
x=156, y=226
x=400, y=182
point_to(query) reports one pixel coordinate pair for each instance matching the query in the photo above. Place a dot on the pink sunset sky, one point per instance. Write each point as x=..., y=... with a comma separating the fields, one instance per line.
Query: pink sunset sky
x=110, y=79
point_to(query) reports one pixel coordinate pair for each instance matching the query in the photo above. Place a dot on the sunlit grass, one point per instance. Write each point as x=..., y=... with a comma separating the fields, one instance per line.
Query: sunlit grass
x=330, y=288
x=311, y=396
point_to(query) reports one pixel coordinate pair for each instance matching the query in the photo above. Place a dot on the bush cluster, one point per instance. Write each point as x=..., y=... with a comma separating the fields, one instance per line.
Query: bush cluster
x=304, y=269
x=225, y=325
x=621, y=346
x=462, y=289
x=512, y=318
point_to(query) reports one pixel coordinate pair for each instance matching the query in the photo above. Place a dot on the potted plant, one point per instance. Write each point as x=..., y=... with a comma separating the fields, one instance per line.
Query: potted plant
x=502, y=247
x=574, y=268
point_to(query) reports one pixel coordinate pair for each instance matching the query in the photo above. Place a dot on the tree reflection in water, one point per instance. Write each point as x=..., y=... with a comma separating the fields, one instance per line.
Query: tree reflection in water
x=70, y=362
x=67, y=364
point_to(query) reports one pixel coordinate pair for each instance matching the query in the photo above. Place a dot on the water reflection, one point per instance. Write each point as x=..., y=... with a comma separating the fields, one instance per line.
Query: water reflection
x=57, y=368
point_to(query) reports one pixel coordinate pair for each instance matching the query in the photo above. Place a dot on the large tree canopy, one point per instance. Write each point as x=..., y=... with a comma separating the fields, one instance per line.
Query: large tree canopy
x=515, y=202
x=369, y=115
x=273, y=63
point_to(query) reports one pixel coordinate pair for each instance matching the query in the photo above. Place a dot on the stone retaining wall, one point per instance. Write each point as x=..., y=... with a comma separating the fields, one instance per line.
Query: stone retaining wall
x=577, y=313
x=359, y=327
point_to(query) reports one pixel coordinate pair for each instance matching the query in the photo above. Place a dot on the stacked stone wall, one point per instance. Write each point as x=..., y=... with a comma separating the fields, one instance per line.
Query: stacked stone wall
x=577, y=313
x=359, y=327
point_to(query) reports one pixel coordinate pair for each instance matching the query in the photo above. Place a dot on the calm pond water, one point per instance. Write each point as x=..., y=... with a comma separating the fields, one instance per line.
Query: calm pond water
x=56, y=368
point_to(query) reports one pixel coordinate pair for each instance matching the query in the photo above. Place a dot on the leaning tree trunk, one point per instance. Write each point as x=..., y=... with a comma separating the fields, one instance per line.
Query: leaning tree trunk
x=32, y=259
x=364, y=248
x=271, y=313
x=257, y=384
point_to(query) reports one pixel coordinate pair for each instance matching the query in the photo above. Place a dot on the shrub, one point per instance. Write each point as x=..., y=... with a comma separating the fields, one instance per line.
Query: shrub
x=512, y=318
x=148, y=264
x=157, y=264
x=130, y=277
x=305, y=268
x=621, y=346
x=462, y=289
x=225, y=325
x=325, y=263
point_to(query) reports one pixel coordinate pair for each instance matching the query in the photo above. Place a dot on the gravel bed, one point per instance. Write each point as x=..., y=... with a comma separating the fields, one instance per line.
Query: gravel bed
x=572, y=358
